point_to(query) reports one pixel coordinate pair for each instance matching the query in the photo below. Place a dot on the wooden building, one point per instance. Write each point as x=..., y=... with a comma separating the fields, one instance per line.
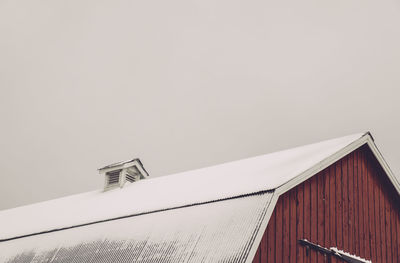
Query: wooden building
x=333, y=201
x=352, y=204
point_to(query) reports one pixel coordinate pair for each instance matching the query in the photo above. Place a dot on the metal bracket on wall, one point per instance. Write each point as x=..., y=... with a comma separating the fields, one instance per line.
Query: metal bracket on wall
x=346, y=257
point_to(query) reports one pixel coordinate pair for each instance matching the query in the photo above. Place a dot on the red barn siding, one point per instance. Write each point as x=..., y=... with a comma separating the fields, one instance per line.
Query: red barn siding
x=350, y=205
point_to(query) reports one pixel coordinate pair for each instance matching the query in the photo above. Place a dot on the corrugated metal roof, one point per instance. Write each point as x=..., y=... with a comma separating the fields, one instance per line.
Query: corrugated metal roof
x=228, y=180
x=220, y=231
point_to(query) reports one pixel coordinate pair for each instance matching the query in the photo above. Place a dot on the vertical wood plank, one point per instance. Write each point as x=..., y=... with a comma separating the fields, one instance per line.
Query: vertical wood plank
x=264, y=247
x=279, y=231
x=271, y=232
x=345, y=203
x=361, y=206
x=371, y=210
x=326, y=208
x=293, y=225
x=364, y=252
x=314, y=216
x=398, y=233
x=395, y=246
x=307, y=216
x=365, y=207
x=300, y=221
x=339, y=206
x=357, y=209
x=321, y=209
x=377, y=223
x=387, y=228
x=332, y=206
x=286, y=228
x=350, y=192
x=382, y=222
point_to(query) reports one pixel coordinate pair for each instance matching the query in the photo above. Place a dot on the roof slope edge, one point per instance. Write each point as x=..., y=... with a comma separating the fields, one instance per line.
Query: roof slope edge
x=365, y=139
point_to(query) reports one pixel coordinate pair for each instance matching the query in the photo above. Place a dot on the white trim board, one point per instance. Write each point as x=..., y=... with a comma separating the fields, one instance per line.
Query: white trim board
x=365, y=139
x=262, y=229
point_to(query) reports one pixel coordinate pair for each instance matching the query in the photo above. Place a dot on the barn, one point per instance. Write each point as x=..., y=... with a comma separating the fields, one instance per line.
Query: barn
x=332, y=201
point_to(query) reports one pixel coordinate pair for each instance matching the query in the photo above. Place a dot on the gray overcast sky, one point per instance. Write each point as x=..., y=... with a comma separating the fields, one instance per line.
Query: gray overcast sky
x=186, y=84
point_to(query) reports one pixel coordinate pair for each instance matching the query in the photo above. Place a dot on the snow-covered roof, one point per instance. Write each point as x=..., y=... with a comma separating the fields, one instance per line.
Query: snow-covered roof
x=221, y=231
x=217, y=213
x=238, y=178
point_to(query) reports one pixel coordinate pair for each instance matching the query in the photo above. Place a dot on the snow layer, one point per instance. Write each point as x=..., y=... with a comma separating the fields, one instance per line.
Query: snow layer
x=237, y=178
x=221, y=231
x=346, y=254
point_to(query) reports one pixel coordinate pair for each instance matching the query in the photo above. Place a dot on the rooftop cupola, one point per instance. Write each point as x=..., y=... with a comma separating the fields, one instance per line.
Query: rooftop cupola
x=117, y=174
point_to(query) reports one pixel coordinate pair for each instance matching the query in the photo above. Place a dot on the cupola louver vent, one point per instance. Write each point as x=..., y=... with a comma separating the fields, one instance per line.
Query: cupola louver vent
x=113, y=177
x=117, y=174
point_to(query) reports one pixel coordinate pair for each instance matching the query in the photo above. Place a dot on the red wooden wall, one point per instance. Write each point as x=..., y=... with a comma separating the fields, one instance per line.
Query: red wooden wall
x=350, y=205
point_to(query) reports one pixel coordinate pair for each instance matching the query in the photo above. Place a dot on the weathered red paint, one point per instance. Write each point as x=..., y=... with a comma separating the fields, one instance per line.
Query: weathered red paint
x=350, y=205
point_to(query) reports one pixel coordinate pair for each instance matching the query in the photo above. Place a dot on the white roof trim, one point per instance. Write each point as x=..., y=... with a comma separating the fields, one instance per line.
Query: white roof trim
x=263, y=227
x=321, y=165
x=383, y=163
x=365, y=139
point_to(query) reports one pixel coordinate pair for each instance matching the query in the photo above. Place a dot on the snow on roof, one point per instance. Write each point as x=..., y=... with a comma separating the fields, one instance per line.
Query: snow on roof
x=221, y=231
x=222, y=181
